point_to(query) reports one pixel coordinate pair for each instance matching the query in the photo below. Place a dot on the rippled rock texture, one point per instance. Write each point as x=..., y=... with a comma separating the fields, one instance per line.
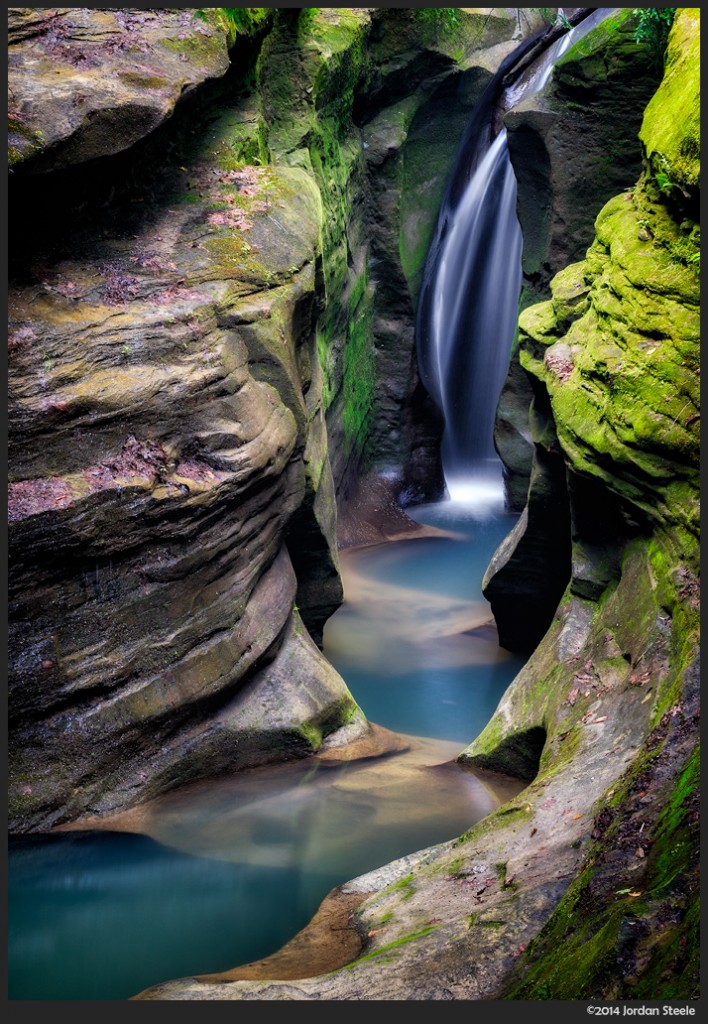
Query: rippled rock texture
x=171, y=502
x=192, y=290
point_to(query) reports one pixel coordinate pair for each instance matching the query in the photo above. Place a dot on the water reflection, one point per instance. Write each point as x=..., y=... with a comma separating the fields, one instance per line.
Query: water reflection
x=227, y=871
x=415, y=638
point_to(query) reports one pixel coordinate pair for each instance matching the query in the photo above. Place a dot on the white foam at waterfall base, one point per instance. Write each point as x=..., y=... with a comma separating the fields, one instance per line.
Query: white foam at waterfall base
x=478, y=493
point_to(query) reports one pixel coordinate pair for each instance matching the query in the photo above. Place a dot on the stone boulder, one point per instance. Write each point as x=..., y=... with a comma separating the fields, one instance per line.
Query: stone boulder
x=85, y=83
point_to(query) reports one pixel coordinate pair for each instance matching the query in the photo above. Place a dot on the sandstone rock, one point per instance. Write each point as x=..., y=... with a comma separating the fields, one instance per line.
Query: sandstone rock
x=88, y=83
x=166, y=444
x=573, y=147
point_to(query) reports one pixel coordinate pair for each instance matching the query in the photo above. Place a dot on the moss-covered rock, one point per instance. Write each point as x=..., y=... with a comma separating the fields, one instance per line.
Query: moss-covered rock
x=671, y=127
x=573, y=146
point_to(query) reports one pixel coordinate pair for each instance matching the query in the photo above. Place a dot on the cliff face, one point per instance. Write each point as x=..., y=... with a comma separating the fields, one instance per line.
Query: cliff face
x=572, y=146
x=586, y=886
x=167, y=453
x=372, y=103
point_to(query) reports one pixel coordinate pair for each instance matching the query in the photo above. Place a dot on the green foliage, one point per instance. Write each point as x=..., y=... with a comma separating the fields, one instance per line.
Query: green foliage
x=243, y=20
x=552, y=16
x=437, y=22
x=306, y=16
x=653, y=26
x=663, y=181
x=684, y=251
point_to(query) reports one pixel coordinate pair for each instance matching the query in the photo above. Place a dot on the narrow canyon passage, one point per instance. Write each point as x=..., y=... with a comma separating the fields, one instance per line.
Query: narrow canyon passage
x=225, y=872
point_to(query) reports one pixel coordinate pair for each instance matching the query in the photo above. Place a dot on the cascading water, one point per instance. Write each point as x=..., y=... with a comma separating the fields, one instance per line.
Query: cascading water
x=468, y=305
x=475, y=289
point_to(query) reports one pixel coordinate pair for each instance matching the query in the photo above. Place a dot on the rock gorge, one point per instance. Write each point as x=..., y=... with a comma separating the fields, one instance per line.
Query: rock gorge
x=218, y=230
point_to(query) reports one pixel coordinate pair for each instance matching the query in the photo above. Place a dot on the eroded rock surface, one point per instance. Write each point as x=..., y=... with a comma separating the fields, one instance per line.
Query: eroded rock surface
x=85, y=83
x=167, y=448
x=573, y=147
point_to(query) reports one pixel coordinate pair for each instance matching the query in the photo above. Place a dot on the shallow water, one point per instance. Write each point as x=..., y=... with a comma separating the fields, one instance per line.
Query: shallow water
x=415, y=639
x=229, y=870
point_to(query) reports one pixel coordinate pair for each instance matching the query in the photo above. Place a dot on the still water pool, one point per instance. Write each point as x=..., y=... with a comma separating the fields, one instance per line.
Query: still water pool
x=415, y=639
x=229, y=870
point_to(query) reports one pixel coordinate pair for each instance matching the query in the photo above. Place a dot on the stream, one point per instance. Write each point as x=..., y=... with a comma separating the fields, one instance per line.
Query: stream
x=228, y=870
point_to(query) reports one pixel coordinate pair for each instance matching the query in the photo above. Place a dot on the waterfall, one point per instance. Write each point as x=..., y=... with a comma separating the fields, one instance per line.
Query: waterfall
x=468, y=307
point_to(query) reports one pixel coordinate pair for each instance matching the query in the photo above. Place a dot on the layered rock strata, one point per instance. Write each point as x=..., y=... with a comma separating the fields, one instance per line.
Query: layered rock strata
x=87, y=83
x=171, y=502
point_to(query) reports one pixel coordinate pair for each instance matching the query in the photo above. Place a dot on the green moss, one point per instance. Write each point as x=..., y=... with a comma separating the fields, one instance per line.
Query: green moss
x=437, y=22
x=579, y=972
x=599, y=41
x=142, y=81
x=674, y=848
x=674, y=968
x=236, y=22
x=506, y=817
x=624, y=383
x=312, y=734
x=384, y=919
x=308, y=73
x=232, y=257
x=392, y=945
x=359, y=370
x=575, y=954
x=514, y=754
x=671, y=127
x=453, y=866
x=23, y=141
